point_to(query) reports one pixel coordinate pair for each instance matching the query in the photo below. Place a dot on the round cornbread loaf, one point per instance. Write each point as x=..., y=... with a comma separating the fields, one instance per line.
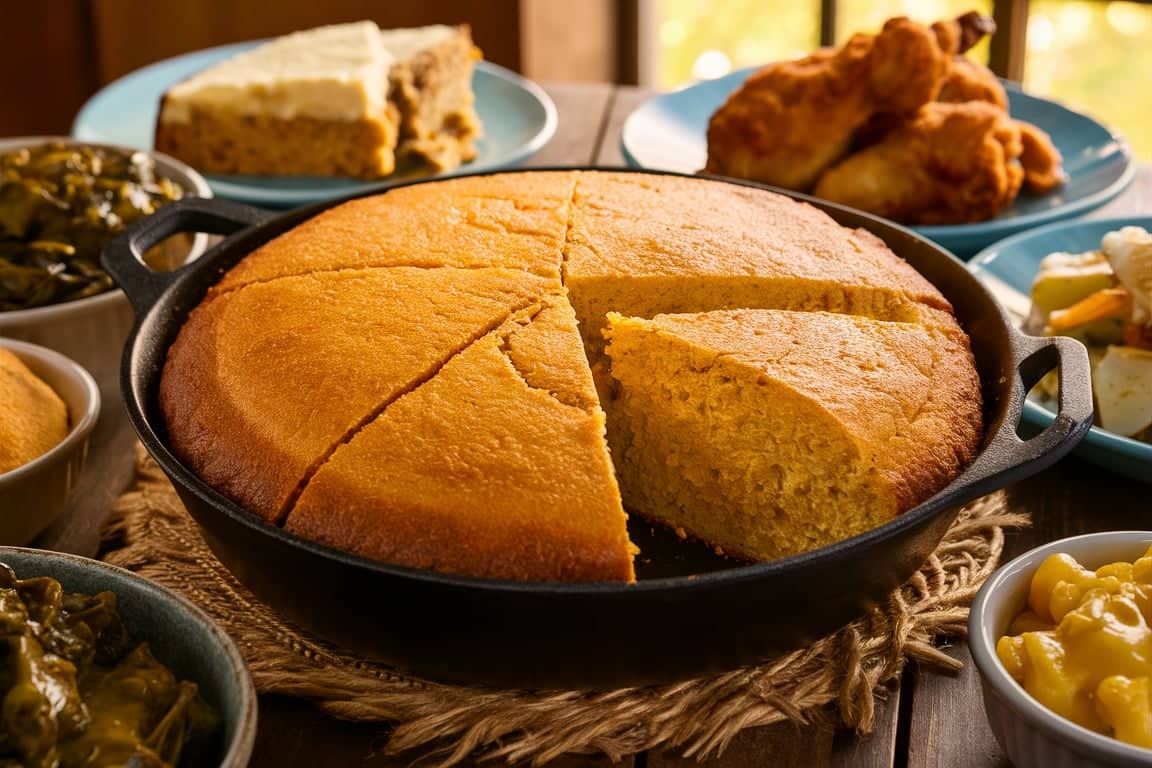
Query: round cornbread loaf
x=421, y=377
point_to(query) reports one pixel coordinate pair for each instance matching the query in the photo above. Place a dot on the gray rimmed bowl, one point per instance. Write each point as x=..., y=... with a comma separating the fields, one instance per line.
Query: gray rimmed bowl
x=92, y=330
x=34, y=495
x=180, y=635
x=1032, y=735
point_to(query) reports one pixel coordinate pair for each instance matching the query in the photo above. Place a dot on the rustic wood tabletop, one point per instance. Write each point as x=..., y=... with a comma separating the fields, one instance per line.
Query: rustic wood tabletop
x=931, y=719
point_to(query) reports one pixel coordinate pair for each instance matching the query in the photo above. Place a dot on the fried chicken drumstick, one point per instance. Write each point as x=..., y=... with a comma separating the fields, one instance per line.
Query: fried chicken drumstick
x=792, y=120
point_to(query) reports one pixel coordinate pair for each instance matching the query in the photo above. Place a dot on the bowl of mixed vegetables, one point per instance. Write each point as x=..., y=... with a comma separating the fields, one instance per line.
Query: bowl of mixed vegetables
x=61, y=202
x=1092, y=281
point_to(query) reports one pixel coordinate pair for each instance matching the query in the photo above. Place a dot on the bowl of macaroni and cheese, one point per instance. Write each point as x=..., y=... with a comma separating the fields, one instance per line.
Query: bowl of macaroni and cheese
x=1061, y=636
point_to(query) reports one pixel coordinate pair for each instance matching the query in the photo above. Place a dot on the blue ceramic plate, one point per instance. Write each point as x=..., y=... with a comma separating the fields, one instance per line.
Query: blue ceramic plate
x=519, y=118
x=1008, y=268
x=669, y=132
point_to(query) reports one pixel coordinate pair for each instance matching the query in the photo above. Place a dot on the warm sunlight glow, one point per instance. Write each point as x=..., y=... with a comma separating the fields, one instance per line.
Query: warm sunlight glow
x=1127, y=19
x=711, y=64
x=1041, y=33
x=673, y=32
x=1073, y=23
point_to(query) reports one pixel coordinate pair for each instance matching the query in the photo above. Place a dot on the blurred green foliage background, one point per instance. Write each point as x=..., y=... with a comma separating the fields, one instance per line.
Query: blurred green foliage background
x=1094, y=56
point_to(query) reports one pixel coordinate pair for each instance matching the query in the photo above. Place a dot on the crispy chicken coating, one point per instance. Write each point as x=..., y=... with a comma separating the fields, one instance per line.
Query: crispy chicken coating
x=792, y=120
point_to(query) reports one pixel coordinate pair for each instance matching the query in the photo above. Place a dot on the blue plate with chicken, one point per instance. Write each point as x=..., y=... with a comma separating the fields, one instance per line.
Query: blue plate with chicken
x=961, y=171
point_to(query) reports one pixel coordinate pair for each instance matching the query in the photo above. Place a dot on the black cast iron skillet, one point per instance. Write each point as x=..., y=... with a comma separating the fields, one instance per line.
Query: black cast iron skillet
x=686, y=616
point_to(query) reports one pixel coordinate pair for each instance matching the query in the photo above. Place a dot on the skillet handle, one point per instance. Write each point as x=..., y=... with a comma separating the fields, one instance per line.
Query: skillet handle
x=123, y=257
x=1011, y=458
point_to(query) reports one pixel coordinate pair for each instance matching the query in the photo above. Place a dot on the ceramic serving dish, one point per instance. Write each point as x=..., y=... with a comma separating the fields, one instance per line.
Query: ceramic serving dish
x=678, y=620
x=1009, y=267
x=92, y=330
x=1031, y=734
x=34, y=495
x=180, y=635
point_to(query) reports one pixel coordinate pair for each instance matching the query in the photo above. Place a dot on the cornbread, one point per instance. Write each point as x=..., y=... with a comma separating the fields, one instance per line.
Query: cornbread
x=769, y=432
x=33, y=418
x=338, y=100
x=410, y=376
x=524, y=442
x=642, y=245
x=276, y=374
x=516, y=221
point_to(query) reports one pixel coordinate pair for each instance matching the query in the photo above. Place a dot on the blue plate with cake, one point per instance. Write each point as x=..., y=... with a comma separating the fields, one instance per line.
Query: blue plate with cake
x=326, y=113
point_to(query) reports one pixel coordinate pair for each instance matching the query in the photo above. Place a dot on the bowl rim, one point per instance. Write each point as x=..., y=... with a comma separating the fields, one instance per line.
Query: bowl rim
x=82, y=425
x=990, y=603
x=192, y=182
x=239, y=750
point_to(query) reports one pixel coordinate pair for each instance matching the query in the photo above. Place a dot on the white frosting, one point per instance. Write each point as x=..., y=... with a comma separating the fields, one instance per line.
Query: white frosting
x=406, y=43
x=337, y=72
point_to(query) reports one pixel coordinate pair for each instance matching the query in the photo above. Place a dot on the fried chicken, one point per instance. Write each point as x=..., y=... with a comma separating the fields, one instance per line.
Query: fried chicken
x=1042, y=162
x=792, y=120
x=951, y=164
x=968, y=80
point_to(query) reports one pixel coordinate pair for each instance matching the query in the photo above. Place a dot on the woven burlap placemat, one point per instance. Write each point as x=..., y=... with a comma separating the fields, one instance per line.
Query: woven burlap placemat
x=840, y=676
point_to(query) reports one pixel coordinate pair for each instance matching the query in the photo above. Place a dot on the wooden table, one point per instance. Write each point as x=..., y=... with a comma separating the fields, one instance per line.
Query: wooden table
x=932, y=719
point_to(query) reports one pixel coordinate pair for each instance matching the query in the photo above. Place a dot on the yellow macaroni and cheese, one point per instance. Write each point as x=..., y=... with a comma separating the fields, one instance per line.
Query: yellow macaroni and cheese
x=1083, y=647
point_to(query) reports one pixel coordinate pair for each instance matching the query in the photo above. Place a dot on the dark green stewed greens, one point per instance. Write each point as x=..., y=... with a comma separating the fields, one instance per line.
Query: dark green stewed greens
x=59, y=205
x=77, y=692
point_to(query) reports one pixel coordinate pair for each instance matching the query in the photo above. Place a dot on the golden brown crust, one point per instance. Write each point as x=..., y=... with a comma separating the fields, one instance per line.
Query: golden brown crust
x=264, y=381
x=420, y=393
x=514, y=221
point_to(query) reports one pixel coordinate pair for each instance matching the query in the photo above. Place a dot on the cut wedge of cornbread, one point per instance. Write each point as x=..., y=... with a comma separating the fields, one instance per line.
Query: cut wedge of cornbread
x=769, y=433
x=642, y=245
x=510, y=424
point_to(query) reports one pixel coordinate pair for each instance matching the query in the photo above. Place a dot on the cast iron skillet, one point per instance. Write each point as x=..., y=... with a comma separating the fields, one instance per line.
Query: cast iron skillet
x=684, y=617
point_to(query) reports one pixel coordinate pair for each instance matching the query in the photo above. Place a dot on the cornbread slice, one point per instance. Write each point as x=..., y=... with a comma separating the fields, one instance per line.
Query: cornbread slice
x=771, y=432
x=33, y=418
x=264, y=381
x=430, y=84
x=642, y=245
x=309, y=103
x=496, y=467
x=513, y=221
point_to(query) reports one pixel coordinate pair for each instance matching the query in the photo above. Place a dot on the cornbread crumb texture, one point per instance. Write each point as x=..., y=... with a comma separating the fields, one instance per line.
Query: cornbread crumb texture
x=33, y=418
x=410, y=376
x=772, y=432
x=268, y=378
x=421, y=484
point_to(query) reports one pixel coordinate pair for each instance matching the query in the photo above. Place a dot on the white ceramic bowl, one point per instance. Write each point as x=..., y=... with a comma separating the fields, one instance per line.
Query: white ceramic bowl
x=92, y=331
x=32, y=496
x=1031, y=734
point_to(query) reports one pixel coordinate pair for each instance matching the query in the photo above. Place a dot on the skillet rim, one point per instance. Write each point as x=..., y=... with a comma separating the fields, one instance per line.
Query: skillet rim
x=197, y=275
